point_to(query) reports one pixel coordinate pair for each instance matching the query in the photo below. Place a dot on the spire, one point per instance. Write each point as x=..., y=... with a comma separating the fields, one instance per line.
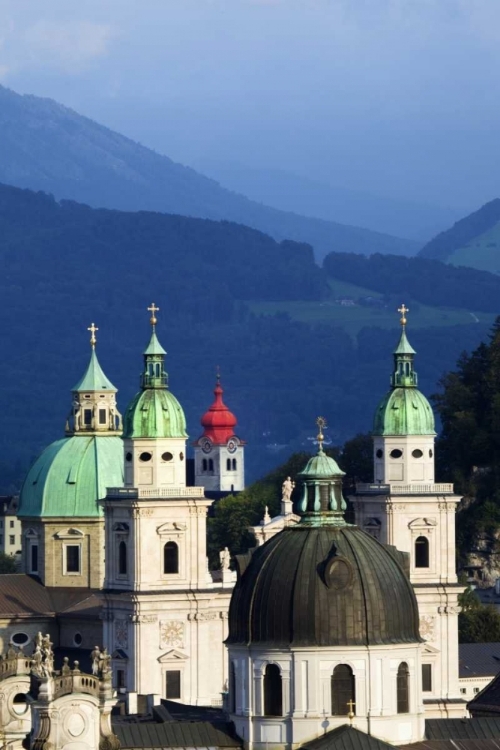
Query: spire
x=322, y=502
x=154, y=375
x=94, y=378
x=218, y=421
x=404, y=375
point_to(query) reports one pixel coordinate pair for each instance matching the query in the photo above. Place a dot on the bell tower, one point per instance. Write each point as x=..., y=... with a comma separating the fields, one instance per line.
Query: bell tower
x=219, y=455
x=405, y=507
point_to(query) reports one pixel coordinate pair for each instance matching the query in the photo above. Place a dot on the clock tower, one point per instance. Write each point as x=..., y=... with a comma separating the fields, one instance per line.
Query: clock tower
x=219, y=454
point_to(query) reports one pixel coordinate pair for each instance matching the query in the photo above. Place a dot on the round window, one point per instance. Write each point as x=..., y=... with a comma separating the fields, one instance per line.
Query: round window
x=77, y=639
x=396, y=453
x=181, y=456
x=128, y=457
x=20, y=639
x=166, y=456
x=145, y=456
x=379, y=453
x=417, y=453
x=20, y=704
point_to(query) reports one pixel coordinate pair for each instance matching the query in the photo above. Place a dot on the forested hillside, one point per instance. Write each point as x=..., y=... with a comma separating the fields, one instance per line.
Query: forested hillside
x=63, y=266
x=45, y=146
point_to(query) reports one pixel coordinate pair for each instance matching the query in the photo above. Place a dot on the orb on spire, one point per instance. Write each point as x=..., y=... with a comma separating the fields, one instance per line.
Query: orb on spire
x=92, y=328
x=403, y=310
x=321, y=422
x=153, y=309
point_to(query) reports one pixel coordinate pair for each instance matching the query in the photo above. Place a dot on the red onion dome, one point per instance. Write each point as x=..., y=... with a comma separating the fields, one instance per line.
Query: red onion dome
x=218, y=422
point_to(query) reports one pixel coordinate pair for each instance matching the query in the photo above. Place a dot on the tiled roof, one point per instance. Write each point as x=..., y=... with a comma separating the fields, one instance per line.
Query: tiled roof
x=487, y=702
x=346, y=738
x=462, y=729
x=175, y=734
x=22, y=595
x=479, y=659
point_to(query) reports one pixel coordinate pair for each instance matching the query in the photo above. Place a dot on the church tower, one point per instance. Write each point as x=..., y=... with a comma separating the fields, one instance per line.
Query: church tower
x=62, y=519
x=219, y=455
x=404, y=507
x=165, y=618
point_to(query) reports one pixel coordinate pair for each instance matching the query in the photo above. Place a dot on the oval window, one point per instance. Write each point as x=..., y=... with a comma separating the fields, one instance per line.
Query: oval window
x=145, y=456
x=417, y=453
x=20, y=704
x=181, y=456
x=77, y=639
x=128, y=457
x=20, y=639
x=396, y=453
x=379, y=453
x=166, y=456
x=430, y=453
x=339, y=574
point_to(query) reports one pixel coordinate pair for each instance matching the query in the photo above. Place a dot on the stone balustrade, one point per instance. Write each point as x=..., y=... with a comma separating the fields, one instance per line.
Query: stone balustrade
x=404, y=489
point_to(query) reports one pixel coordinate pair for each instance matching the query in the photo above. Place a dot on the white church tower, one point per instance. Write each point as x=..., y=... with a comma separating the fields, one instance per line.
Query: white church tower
x=219, y=454
x=404, y=507
x=165, y=617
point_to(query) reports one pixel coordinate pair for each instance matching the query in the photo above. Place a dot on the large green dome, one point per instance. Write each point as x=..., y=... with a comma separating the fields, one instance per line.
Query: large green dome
x=404, y=411
x=71, y=475
x=154, y=413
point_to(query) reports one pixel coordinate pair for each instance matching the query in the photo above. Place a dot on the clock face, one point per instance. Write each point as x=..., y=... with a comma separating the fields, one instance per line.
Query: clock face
x=231, y=446
x=206, y=446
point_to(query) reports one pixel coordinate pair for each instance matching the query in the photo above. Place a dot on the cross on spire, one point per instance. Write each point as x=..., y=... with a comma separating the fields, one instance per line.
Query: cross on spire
x=93, y=339
x=351, y=714
x=321, y=422
x=403, y=310
x=153, y=309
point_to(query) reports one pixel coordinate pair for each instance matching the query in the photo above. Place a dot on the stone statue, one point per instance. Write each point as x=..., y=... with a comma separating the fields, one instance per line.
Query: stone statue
x=65, y=669
x=38, y=640
x=287, y=489
x=11, y=652
x=105, y=661
x=225, y=558
x=96, y=658
x=36, y=661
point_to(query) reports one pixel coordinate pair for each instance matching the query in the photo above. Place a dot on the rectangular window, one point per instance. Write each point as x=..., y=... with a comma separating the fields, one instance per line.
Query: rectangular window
x=173, y=684
x=34, y=558
x=1, y=524
x=476, y=690
x=463, y=691
x=1, y=540
x=427, y=678
x=12, y=539
x=102, y=416
x=120, y=678
x=73, y=558
x=11, y=524
x=87, y=417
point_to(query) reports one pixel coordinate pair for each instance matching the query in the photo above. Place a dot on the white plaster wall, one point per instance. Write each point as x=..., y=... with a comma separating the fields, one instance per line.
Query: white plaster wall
x=157, y=472
x=406, y=469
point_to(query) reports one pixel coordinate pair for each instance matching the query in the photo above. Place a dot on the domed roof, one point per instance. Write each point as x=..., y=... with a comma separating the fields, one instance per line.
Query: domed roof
x=321, y=465
x=218, y=422
x=323, y=586
x=404, y=411
x=154, y=413
x=71, y=475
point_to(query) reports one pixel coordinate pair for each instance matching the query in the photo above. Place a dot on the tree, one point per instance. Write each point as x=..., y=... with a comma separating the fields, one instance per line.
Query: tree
x=477, y=623
x=7, y=564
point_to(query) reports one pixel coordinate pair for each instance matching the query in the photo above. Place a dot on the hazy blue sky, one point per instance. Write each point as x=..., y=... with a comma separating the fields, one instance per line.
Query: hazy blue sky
x=397, y=97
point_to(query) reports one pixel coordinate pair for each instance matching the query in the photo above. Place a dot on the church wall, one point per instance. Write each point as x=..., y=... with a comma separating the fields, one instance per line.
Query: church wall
x=91, y=631
x=306, y=685
x=58, y=534
x=31, y=626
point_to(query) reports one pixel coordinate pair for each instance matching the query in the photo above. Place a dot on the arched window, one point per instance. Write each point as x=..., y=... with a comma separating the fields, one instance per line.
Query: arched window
x=170, y=558
x=234, y=464
x=273, y=692
x=158, y=371
x=232, y=688
x=228, y=464
x=403, y=688
x=421, y=552
x=343, y=690
x=210, y=464
x=122, y=559
x=204, y=464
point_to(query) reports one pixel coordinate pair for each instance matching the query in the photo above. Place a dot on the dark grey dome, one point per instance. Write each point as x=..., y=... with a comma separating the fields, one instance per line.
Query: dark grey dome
x=323, y=586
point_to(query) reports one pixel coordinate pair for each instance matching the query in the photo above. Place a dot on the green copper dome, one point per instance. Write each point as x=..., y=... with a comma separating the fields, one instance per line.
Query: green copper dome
x=404, y=410
x=71, y=475
x=154, y=412
x=321, y=466
x=94, y=378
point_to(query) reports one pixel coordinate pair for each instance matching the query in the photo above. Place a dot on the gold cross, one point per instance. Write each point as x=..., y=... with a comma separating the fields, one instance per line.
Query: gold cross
x=403, y=310
x=321, y=422
x=351, y=713
x=153, y=309
x=93, y=339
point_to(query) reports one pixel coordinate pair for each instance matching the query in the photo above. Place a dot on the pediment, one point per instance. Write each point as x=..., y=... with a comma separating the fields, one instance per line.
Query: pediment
x=71, y=533
x=171, y=527
x=430, y=649
x=422, y=523
x=173, y=655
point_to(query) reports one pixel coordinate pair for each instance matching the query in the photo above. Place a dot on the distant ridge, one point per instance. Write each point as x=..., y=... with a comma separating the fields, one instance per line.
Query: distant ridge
x=46, y=146
x=445, y=244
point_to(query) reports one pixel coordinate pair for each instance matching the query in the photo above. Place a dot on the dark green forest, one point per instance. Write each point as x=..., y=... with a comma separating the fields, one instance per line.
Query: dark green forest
x=64, y=265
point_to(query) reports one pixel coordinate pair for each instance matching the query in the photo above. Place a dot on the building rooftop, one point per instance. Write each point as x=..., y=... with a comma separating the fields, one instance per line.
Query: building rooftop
x=479, y=659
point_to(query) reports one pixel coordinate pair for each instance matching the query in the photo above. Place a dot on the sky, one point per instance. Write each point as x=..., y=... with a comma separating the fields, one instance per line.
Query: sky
x=399, y=98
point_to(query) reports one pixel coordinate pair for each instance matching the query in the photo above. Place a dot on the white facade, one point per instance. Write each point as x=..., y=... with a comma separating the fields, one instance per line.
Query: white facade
x=404, y=458
x=306, y=684
x=155, y=462
x=219, y=468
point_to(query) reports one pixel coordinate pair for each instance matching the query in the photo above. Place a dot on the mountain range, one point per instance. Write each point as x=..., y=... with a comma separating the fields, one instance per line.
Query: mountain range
x=46, y=146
